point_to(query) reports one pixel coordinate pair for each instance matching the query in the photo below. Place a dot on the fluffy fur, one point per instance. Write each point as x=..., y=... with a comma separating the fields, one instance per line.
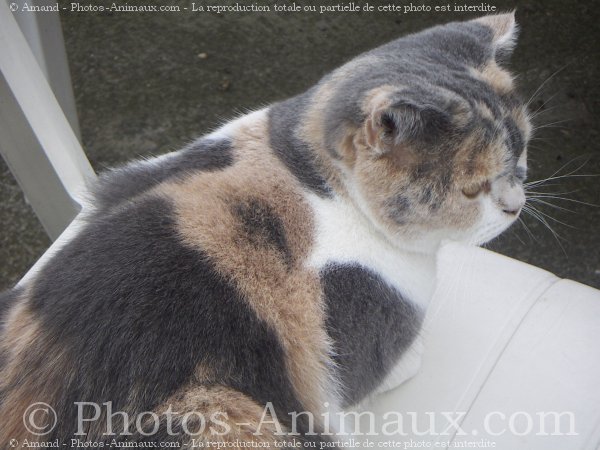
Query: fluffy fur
x=285, y=258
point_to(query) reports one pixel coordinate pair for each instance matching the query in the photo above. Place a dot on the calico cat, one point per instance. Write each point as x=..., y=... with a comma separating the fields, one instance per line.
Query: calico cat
x=282, y=263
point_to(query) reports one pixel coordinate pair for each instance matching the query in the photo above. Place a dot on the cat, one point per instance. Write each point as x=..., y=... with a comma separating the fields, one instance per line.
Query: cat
x=280, y=264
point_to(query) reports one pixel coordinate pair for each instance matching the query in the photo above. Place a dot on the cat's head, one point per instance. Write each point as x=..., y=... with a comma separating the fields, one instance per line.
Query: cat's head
x=430, y=135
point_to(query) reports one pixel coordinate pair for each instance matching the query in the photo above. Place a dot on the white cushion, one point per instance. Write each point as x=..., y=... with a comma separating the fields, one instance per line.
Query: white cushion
x=503, y=340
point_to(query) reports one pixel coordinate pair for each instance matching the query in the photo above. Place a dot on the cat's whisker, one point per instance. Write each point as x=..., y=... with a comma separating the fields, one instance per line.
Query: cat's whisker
x=529, y=193
x=541, y=86
x=545, y=185
x=552, y=123
x=516, y=235
x=540, y=138
x=534, y=213
x=556, y=176
x=565, y=176
x=552, y=205
x=527, y=230
x=541, y=110
x=557, y=124
x=546, y=225
x=548, y=216
x=540, y=194
x=543, y=147
x=566, y=199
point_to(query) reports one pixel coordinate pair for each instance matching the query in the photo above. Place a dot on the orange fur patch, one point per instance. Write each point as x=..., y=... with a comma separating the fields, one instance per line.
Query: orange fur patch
x=23, y=341
x=499, y=79
x=229, y=415
x=288, y=298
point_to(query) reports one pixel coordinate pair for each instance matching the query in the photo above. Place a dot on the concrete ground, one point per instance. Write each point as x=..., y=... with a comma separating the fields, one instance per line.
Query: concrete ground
x=147, y=83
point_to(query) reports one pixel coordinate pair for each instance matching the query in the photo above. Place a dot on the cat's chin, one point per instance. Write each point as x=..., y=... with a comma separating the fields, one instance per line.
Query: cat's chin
x=430, y=242
x=493, y=222
x=490, y=232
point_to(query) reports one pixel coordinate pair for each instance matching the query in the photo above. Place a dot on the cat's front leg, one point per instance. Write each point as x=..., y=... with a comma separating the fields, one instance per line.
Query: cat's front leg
x=407, y=367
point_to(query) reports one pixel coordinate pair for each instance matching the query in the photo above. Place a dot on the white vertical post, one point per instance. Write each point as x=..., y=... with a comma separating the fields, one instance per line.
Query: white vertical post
x=36, y=140
x=43, y=33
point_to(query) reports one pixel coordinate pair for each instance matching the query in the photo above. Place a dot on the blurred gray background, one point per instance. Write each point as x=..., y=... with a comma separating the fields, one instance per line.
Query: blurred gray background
x=147, y=83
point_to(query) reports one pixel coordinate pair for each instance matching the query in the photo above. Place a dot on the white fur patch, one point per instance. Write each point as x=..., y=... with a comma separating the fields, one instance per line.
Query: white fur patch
x=230, y=129
x=344, y=235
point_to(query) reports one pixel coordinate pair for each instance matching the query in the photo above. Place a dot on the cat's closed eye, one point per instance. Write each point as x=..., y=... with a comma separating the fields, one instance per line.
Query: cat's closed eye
x=474, y=189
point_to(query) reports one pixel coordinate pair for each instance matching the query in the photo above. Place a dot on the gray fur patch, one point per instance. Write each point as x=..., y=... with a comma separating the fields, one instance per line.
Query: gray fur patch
x=134, y=179
x=515, y=141
x=7, y=300
x=137, y=311
x=424, y=66
x=521, y=173
x=294, y=153
x=397, y=208
x=371, y=326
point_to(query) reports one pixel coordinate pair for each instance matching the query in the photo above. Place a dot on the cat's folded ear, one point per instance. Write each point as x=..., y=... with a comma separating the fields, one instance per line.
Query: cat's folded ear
x=404, y=121
x=504, y=33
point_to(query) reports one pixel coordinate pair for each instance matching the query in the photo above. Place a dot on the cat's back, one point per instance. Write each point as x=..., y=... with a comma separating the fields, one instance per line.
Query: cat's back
x=187, y=268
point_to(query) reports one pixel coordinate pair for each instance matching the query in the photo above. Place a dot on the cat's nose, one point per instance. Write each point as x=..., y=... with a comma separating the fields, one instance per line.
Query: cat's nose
x=510, y=197
x=512, y=212
x=512, y=200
